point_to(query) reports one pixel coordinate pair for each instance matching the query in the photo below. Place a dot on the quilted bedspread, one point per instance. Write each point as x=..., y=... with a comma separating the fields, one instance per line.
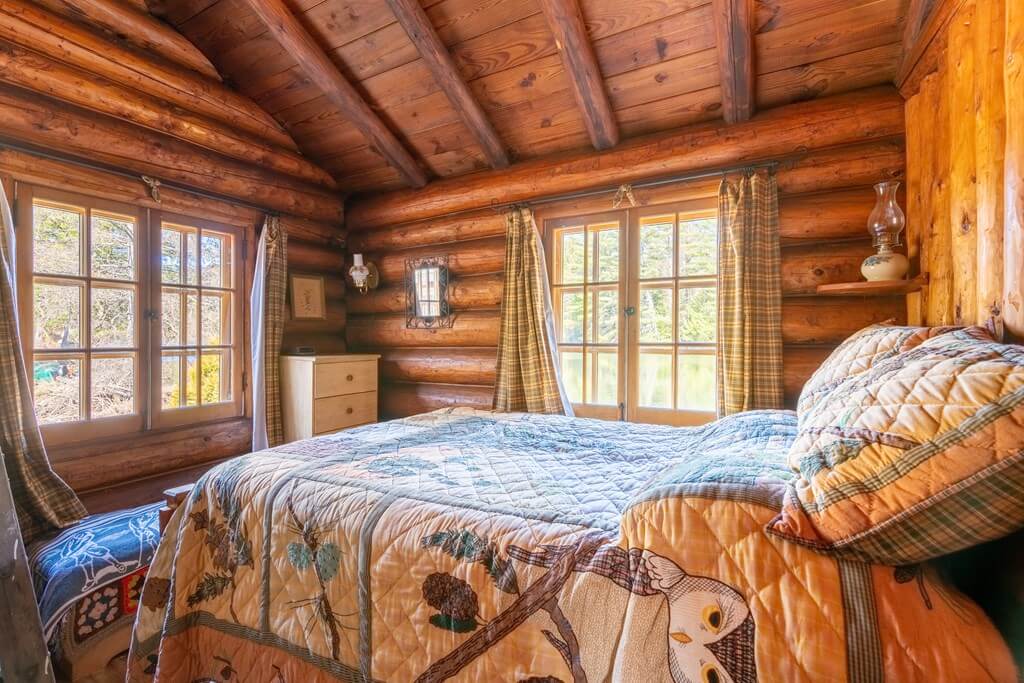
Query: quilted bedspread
x=470, y=546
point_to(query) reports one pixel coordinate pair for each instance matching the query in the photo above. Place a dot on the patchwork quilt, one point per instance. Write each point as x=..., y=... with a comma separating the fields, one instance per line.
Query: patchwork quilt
x=472, y=546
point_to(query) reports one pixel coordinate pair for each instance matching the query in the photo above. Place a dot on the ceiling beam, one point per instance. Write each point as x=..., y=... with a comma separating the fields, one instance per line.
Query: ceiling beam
x=916, y=15
x=927, y=42
x=421, y=32
x=566, y=22
x=734, y=31
x=319, y=68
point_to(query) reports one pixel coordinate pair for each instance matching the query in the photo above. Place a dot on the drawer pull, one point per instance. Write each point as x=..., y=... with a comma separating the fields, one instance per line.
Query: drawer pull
x=348, y=411
x=349, y=378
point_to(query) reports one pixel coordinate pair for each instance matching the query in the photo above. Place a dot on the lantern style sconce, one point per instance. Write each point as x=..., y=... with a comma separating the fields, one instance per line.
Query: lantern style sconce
x=364, y=275
x=885, y=224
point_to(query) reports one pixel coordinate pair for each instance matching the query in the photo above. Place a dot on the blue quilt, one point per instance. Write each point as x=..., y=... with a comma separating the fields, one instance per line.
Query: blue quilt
x=99, y=550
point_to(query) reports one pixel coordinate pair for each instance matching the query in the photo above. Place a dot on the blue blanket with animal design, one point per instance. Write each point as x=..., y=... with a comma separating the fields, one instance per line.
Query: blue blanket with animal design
x=96, y=552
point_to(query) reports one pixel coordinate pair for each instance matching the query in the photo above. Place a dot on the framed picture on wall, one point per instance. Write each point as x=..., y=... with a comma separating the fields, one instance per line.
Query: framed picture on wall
x=308, y=299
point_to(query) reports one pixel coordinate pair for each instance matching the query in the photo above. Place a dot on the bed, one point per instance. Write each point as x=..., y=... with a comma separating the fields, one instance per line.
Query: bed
x=474, y=546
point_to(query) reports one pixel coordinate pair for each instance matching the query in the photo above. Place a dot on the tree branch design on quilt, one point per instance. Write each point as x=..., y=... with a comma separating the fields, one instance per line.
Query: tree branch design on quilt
x=710, y=631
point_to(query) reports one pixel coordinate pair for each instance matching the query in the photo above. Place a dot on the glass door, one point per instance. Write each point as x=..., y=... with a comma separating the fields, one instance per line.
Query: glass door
x=587, y=268
x=673, y=269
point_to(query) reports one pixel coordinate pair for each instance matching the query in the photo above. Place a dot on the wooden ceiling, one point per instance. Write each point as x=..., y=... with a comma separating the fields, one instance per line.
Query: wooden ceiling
x=658, y=61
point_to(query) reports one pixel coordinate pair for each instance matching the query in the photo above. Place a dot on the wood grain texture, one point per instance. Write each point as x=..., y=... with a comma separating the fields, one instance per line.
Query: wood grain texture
x=830, y=320
x=318, y=67
x=566, y=22
x=734, y=29
x=52, y=125
x=440, y=365
x=400, y=399
x=33, y=28
x=464, y=293
x=139, y=456
x=32, y=71
x=471, y=257
x=413, y=18
x=1013, y=285
x=470, y=328
x=137, y=28
x=855, y=117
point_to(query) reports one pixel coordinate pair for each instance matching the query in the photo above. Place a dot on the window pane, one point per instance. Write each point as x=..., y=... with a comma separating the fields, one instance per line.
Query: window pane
x=171, y=333
x=57, y=315
x=58, y=390
x=216, y=381
x=607, y=265
x=698, y=247
x=113, y=386
x=605, y=303
x=606, y=389
x=216, y=319
x=216, y=260
x=113, y=317
x=170, y=256
x=191, y=326
x=191, y=259
x=572, y=317
x=572, y=375
x=113, y=248
x=655, y=379
x=56, y=241
x=697, y=387
x=191, y=380
x=656, y=250
x=170, y=381
x=571, y=252
x=697, y=314
x=656, y=315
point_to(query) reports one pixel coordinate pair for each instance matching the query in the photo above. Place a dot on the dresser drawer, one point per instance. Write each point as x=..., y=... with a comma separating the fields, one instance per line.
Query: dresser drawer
x=338, y=412
x=337, y=379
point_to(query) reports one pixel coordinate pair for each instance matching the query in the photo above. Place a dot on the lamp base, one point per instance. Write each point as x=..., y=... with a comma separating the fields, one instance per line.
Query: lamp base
x=885, y=265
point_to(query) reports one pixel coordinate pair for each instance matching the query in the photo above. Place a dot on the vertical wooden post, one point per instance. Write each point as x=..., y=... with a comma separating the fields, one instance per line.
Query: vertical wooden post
x=1013, y=278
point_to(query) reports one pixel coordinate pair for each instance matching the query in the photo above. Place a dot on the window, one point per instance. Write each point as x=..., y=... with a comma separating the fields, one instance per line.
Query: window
x=636, y=312
x=87, y=300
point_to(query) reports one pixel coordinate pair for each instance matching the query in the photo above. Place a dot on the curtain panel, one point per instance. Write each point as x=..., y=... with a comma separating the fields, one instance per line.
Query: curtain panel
x=527, y=374
x=267, y=313
x=42, y=500
x=749, y=295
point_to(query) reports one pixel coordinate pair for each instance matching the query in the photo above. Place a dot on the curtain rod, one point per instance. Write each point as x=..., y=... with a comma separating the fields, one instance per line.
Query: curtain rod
x=28, y=149
x=668, y=180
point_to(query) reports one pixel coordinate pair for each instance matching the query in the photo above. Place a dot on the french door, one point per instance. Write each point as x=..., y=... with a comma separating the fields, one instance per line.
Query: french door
x=634, y=294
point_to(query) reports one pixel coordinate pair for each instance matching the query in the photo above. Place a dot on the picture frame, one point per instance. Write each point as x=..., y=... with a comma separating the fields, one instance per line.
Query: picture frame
x=308, y=300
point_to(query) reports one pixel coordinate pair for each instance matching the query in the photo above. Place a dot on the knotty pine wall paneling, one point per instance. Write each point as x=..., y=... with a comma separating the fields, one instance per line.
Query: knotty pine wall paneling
x=965, y=160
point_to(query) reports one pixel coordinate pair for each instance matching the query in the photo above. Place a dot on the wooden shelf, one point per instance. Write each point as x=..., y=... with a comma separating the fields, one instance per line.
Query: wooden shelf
x=875, y=288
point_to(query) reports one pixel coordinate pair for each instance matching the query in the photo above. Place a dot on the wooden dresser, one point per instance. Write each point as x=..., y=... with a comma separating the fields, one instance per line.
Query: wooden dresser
x=324, y=394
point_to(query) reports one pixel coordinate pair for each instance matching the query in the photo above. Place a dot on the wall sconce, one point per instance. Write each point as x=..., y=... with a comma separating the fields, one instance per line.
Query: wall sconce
x=364, y=275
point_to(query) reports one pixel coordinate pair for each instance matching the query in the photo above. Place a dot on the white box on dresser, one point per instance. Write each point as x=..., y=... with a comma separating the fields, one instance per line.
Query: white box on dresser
x=324, y=394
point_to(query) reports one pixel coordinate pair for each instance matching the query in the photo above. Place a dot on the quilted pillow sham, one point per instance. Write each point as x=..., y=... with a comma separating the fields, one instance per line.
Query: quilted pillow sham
x=859, y=352
x=917, y=457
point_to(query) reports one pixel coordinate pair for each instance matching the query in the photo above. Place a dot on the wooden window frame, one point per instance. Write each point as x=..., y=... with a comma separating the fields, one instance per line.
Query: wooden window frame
x=148, y=416
x=235, y=406
x=629, y=287
x=89, y=428
x=682, y=211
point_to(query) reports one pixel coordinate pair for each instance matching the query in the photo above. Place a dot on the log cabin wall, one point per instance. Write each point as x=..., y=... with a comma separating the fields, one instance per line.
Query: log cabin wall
x=128, y=92
x=129, y=470
x=825, y=198
x=965, y=152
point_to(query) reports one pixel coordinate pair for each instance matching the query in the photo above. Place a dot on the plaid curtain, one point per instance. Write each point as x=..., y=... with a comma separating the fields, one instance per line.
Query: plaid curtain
x=528, y=378
x=267, y=310
x=41, y=498
x=749, y=295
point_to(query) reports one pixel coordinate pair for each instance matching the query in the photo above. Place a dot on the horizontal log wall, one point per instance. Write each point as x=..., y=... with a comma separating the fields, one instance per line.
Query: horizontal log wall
x=825, y=198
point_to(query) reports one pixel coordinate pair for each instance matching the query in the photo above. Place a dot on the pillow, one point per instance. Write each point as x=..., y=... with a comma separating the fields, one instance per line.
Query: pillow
x=919, y=456
x=859, y=352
